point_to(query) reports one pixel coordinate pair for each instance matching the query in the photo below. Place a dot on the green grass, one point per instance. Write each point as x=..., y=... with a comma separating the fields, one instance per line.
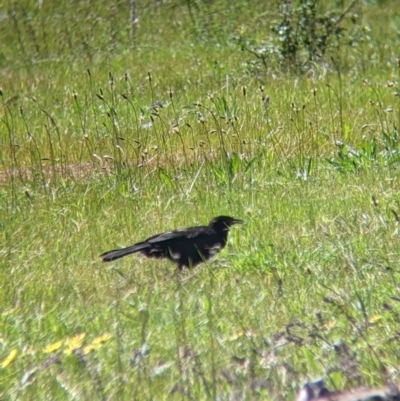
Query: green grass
x=90, y=161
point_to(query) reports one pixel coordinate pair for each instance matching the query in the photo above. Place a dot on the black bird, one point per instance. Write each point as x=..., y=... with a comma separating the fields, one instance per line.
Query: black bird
x=187, y=247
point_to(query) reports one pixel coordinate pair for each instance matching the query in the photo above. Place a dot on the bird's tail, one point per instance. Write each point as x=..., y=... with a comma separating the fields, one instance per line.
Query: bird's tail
x=114, y=254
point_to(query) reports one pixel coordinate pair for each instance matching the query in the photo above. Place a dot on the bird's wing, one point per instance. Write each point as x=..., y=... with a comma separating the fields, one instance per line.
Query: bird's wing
x=189, y=233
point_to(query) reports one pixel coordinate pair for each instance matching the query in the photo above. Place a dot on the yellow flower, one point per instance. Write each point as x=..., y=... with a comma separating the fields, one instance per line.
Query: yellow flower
x=102, y=339
x=13, y=354
x=375, y=318
x=96, y=343
x=53, y=347
x=73, y=343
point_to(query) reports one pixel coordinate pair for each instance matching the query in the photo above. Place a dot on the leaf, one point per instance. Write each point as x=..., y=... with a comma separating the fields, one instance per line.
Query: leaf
x=336, y=379
x=166, y=178
x=161, y=368
x=310, y=166
x=207, y=305
x=250, y=163
x=233, y=164
x=311, y=360
x=219, y=174
x=346, y=131
x=225, y=105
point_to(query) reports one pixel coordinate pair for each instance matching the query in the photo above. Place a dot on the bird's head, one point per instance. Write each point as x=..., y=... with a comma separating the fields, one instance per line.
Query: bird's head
x=224, y=222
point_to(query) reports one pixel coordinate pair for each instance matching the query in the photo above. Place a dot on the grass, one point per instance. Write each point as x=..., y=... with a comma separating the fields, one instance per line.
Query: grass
x=110, y=134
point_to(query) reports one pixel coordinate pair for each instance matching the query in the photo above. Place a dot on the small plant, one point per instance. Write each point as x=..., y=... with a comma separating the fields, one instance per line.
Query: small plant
x=384, y=149
x=349, y=159
x=302, y=35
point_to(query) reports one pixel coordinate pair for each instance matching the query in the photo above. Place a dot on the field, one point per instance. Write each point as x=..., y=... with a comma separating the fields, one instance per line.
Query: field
x=121, y=120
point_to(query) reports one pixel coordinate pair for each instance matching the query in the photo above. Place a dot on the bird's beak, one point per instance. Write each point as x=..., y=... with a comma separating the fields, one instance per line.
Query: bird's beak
x=237, y=221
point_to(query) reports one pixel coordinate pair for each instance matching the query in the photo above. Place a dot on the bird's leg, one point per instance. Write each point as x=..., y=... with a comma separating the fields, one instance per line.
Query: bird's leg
x=190, y=263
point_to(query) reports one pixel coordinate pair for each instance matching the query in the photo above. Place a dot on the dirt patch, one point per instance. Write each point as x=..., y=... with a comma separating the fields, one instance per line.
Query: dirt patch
x=75, y=172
